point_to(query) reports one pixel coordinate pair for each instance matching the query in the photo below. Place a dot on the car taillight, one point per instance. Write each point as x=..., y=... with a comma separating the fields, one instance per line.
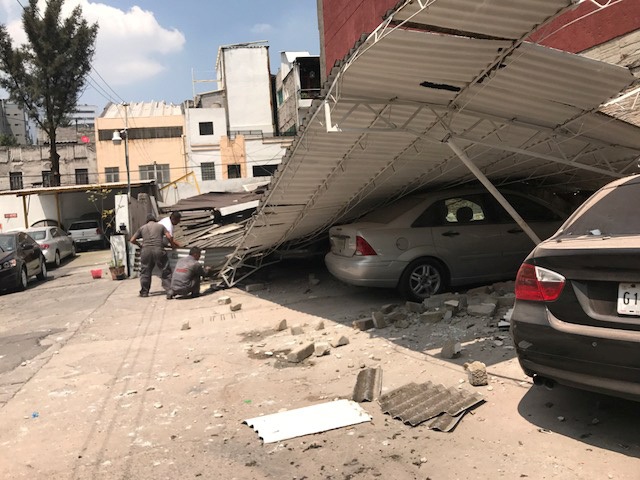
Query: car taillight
x=538, y=284
x=363, y=248
x=44, y=246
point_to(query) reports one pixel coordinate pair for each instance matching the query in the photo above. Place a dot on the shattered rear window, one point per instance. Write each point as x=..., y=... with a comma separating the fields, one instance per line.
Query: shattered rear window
x=390, y=212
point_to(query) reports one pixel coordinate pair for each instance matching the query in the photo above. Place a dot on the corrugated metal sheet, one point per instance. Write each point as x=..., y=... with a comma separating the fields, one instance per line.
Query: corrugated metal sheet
x=417, y=403
x=368, y=385
x=403, y=92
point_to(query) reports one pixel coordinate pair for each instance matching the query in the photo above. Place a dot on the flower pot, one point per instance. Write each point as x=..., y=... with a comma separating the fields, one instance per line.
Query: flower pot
x=96, y=273
x=117, y=273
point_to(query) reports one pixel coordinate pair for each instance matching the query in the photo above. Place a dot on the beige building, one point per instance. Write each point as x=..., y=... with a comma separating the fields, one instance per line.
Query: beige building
x=155, y=145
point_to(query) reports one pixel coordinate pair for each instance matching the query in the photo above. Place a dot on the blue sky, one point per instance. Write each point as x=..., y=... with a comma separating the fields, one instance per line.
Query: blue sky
x=147, y=49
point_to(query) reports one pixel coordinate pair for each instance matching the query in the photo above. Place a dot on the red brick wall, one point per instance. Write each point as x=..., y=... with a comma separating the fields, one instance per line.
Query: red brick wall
x=345, y=21
x=597, y=28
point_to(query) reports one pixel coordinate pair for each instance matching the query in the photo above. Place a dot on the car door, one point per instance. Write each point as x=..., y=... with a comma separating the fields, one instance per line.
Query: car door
x=471, y=245
x=62, y=242
x=30, y=253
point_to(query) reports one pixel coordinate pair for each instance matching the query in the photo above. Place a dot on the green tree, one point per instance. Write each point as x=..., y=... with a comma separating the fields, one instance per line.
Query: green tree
x=8, y=141
x=47, y=74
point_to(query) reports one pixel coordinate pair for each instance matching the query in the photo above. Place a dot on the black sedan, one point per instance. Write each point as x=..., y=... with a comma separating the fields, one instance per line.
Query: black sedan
x=20, y=259
x=576, y=318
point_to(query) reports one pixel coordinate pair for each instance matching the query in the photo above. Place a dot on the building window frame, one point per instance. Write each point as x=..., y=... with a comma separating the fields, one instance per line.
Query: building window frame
x=82, y=176
x=16, y=181
x=47, y=178
x=205, y=128
x=160, y=172
x=208, y=170
x=234, y=170
x=112, y=174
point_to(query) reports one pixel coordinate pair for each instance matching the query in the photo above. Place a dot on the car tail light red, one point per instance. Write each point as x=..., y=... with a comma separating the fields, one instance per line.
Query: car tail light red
x=44, y=246
x=363, y=248
x=538, y=284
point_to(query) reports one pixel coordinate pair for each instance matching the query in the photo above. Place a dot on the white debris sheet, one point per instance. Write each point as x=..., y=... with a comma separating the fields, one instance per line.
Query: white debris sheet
x=308, y=420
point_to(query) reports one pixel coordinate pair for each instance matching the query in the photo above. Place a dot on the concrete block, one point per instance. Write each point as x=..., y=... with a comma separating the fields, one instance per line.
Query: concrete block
x=321, y=349
x=507, y=300
x=482, y=310
x=363, y=324
x=185, y=326
x=281, y=325
x=299, y=355
x=224, y=300
x=478, y=299
x=432, y=317
x=297, y=330
x=339, y=341
x=235, y=307
x=319, y=326
x=451, y=349
x=388, y=308
x=396, y=317
x=503, y=288
x=378, y=319
x=485, y=289
x=402, y=323
x=477, y=373
x=254, y=287
x=448, y=315
x=414, y=307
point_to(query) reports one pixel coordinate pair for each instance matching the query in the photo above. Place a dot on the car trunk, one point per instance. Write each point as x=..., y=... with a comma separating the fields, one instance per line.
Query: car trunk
x=343, y=237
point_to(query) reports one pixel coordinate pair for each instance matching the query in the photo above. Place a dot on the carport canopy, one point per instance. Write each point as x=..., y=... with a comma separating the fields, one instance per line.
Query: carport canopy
x=443, y=93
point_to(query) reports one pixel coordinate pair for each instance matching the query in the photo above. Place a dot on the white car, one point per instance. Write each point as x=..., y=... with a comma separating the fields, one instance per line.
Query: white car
x=54, y=243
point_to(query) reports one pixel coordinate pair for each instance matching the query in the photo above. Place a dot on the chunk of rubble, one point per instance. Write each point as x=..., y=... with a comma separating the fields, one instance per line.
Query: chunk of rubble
x=321, y=349
x=363, y=324
x=299, y=355
x=506, y=300
x=224, y=300
x=483, y=290
x=297, y=330
x=378, y=319
x=477, y=372
x=254, y=287
x=281, y=325
x=313, y=280
x=319, y=326
x=481, y=309
x=185, y=326
x=405, y=323
x=396, y=317
x=235, y=307
x=414, y=307
x=451, y=349
x=504, y=288
x=432, y=317
x=339, y=341
x=388, y=308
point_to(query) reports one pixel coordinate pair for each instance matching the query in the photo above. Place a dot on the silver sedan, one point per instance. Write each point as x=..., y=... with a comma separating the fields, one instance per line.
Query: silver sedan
x=424, y=244
x=54, y=243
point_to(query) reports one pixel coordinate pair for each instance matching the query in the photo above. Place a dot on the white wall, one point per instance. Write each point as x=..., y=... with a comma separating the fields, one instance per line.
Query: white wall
x=247, y=81
x=194, y=116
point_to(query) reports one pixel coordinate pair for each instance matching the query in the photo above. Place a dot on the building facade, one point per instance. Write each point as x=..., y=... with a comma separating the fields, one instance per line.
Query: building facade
x=15, y=123
x=155, y=142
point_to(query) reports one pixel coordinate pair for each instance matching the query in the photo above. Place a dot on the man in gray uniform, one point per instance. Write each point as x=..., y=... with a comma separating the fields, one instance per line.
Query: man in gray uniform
x=186, y=276
x=152, y=254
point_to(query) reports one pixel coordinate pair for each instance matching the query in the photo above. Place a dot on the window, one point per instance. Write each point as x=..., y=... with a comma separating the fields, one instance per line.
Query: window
x=463, y=210
x=208, y=170
x=233, y=171
x=264, y=170
x=280, y=97
x=206, y=128
x=112, y=174
x=82, y=176
x=159, y=172
x=46, y=178
x=15, y=180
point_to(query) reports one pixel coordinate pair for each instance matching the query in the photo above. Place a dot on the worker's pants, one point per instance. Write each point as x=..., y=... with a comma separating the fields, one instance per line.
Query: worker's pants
x=154, y=257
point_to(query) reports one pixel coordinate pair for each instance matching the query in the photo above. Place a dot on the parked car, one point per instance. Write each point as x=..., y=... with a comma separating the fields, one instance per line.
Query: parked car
x=86, y=234
x=54, y=243
x=47, y=222
x=423, y=244
x=20, y=259
x=576, y=318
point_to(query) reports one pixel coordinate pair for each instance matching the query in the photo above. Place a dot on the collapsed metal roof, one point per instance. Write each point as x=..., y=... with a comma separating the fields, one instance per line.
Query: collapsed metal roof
x=442, y=93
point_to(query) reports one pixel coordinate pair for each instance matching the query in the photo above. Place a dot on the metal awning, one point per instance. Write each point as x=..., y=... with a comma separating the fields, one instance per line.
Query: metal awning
x=433, y=86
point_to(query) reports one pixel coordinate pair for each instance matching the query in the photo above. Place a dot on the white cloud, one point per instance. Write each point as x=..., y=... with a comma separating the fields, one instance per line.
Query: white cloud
x=262, y=28
x=130, y=45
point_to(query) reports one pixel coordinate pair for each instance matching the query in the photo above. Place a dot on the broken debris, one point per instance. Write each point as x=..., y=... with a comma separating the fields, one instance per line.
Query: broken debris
x=368, y=385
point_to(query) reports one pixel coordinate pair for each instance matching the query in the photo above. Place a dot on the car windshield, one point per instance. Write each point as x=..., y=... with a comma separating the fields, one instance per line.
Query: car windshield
x=391, y=212
x=609, y=212
x=7, y=243
x=38, y=234
x=83, y=225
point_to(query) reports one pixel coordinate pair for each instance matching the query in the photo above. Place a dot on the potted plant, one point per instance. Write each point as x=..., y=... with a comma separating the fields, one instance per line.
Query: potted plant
x=116, y=268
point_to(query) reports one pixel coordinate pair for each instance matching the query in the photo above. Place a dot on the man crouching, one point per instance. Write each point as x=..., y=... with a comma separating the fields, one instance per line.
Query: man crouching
x=185, y=280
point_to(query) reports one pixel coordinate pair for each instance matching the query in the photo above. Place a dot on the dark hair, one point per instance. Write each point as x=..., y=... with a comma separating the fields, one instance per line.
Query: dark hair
x=151, y=217
x=177, y=215
x=194, y=251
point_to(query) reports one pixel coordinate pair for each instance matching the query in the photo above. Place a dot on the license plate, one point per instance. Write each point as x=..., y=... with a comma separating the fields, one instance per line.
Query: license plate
x=629, y=299
x=339, y=243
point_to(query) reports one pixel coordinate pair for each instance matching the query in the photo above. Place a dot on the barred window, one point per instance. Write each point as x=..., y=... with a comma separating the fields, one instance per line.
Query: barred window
x=82, y=176
x=15, y=180
x=46, y=178
x=234, y=171
x=160, y=172
x=208, y=170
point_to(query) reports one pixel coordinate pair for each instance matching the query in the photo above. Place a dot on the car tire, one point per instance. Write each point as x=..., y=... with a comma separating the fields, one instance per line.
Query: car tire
x=423, y=278
x=56, y=259
x=43, y=270
x=23, y=279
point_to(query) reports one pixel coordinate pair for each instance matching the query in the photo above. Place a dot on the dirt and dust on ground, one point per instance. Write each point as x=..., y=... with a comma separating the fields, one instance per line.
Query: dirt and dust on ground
x=150, y=388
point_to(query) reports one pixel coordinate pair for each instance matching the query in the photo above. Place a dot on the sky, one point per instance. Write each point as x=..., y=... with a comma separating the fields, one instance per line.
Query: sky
x=151, y=50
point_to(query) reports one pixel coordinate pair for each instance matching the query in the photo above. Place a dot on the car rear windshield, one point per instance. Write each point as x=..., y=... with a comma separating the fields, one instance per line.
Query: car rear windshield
x=391, y=212
x=83, y=225
x=610, y=212
x=38, y=234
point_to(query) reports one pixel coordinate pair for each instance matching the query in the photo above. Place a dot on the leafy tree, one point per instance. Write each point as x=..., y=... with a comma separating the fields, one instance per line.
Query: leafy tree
x=8, y=140
x=46, y=75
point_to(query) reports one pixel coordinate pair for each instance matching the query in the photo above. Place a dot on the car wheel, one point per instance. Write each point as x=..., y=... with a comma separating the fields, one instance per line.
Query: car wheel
x=43, y=270
x=422, y=278
x=56, y=259
x=23, y=279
